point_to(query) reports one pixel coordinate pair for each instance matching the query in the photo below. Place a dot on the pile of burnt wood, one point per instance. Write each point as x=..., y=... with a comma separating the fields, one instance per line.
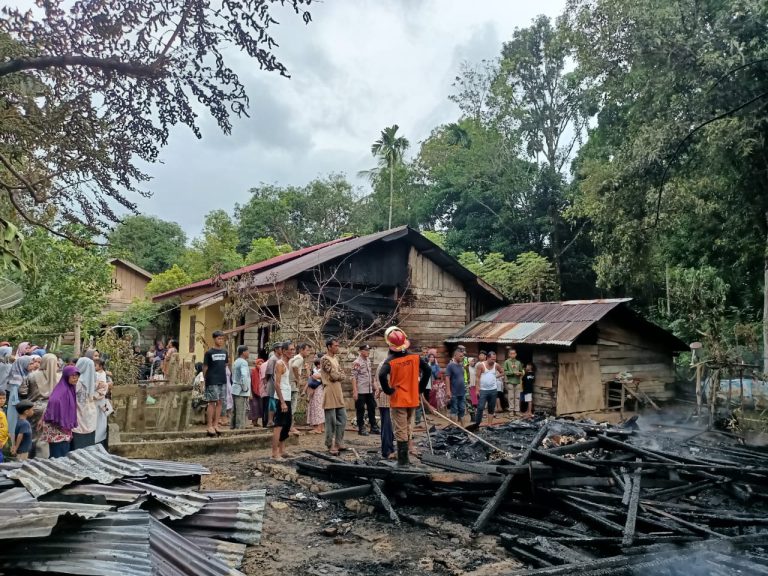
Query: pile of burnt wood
x=565, y=496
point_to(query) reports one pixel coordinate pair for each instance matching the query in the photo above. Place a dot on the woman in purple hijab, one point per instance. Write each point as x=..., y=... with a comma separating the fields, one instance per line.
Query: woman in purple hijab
x=61, y=414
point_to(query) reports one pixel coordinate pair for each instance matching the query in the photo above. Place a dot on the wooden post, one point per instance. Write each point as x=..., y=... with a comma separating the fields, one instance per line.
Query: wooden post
x=78, y=325
x=698, y=392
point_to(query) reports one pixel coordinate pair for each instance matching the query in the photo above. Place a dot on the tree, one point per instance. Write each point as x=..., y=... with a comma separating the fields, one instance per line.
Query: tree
x=674, y=171
x=91, y=89
x=74, y=282
x=534, y=95
x=298, y=216
x=174, y=277
x=150, y=242
x=389, y=149
x=264, y=249
x=530, y=278
x=216, y=251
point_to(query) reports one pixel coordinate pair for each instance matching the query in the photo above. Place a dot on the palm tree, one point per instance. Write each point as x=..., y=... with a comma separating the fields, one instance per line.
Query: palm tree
x=389, y=149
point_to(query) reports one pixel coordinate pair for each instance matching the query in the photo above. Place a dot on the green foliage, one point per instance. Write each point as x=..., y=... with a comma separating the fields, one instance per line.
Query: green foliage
x=436, y=237
x=15, y=252
x=123, y=363
x=73, y=282
x=298, y=216
x=174, y=277
x=149, y=242
x=264, y=249
x=389, y=149
x=140, y=314
x=216, y=251
x=697, y=300
x=530, y=278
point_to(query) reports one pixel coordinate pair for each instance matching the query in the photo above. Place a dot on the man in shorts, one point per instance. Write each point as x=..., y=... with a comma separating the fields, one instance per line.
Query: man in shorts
x=215, y=363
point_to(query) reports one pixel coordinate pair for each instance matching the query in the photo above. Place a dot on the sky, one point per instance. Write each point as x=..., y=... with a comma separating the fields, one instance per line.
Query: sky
x=358, y=67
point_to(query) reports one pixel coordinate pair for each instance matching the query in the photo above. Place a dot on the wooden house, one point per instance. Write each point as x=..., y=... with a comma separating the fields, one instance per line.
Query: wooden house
x=398, y=275
x=129, y=283
x=579, y=348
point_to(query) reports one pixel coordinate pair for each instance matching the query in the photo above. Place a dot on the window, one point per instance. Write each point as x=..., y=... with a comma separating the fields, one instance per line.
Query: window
x=192, y=323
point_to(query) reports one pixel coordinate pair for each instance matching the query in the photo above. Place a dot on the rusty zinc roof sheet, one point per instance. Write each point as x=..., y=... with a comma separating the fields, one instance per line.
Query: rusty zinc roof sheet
x=543, y=323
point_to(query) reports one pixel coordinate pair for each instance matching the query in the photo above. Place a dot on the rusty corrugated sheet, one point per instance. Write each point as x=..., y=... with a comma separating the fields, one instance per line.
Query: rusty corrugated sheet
x=231, y=553
x=234, y=516
x=542, y=323
x=41, y=476
x=114, y=543
x=174, y=555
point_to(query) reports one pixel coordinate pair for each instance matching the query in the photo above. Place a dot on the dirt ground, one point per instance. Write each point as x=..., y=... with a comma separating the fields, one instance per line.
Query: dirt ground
x=304, y=535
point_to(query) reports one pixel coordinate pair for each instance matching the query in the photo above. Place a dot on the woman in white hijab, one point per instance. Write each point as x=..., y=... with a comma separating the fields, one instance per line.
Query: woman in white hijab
x=6, y=352
x=85, y=432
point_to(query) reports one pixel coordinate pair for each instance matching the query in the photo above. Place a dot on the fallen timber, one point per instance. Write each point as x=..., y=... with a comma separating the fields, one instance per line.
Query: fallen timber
x=605, y=494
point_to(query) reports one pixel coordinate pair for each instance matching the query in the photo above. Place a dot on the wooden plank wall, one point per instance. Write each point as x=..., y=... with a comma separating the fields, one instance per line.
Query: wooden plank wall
x=579, y=386
x=545, y=390
x=621, y=350
x=128, y=286
x=438, y=308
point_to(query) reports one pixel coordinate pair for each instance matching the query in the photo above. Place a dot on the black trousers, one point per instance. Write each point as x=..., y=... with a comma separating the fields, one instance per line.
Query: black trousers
x=504, y=400
x=365, y=401
x=284, y=421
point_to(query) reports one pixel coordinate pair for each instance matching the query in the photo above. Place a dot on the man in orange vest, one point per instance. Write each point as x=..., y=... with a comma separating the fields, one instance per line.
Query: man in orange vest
x=403, y=377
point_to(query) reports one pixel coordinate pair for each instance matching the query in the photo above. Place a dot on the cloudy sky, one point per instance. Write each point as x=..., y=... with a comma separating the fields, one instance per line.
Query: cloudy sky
x=360, y=66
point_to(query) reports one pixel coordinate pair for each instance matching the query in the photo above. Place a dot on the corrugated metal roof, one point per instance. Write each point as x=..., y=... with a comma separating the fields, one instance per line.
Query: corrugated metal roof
x=542, y=323
x=167, y=468
x=114, y=543
x=248, y=269
x=234, y=516
x=117, y=492
x=37, y=519
x=174, y=555
x=41, y=476
x=17, y=494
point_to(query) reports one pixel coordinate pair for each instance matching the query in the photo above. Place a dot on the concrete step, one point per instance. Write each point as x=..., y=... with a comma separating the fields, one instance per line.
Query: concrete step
x=172, y=449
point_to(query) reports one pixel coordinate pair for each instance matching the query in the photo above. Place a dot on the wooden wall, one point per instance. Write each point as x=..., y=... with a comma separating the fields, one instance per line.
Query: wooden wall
x=579, y=386
x=128, y=286
x=622, y=350
x=545, y=389
x=439, y=305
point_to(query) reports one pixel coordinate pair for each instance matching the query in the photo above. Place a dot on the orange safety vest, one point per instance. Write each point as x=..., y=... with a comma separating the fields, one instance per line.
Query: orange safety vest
x=404, y=378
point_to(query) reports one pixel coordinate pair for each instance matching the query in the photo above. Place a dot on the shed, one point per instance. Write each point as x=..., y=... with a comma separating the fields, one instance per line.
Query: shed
x=578, y=348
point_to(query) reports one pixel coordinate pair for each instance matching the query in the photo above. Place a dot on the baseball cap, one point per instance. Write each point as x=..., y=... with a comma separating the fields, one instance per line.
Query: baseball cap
x=364, y=347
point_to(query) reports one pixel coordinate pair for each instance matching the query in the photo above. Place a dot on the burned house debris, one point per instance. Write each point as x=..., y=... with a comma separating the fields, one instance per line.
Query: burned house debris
x=95, y=513
x=574, y=497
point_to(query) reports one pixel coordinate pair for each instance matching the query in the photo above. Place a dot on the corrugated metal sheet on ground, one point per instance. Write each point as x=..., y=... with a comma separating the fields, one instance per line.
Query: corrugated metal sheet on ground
x=41, y=476
x=159, y=468
x=174, y=555
x=115, y=543
x=17, y=494
x=116, y=492
x=234, y=516
x=170, y=503
x=231, y=553
x=37, y=519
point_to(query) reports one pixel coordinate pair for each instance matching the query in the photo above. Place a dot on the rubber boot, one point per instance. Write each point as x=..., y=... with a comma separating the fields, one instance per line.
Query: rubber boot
x=402, y=454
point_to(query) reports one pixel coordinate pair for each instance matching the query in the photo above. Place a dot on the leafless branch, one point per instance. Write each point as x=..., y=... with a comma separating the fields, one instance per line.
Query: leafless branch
x=134, y=69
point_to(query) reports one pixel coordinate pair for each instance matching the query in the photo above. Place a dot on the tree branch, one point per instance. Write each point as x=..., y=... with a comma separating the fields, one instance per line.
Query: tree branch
x=135, y=69
x=688, y=137
x=20, y=177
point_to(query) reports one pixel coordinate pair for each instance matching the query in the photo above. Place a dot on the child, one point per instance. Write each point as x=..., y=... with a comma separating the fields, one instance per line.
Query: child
x=3, y=426
x=23, y=435
x=526, y=396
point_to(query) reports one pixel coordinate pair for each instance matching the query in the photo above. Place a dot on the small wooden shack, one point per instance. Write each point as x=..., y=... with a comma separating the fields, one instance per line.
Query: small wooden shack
x=579, y=349
x=129, y=283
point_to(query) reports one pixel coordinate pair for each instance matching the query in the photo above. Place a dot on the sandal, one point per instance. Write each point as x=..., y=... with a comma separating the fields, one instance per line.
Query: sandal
x=333, y=452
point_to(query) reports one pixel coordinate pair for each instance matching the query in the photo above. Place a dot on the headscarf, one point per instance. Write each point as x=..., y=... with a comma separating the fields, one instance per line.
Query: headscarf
x=62, y=405
x=22, y=349
x=50, y=367
x=5, y=366
x=19, y=370
x=87, y=370
x=89, y=353
x=39, y=352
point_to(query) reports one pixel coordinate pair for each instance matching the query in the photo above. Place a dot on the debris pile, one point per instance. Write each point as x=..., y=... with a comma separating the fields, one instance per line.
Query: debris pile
x=95, y=513
x=572, y=497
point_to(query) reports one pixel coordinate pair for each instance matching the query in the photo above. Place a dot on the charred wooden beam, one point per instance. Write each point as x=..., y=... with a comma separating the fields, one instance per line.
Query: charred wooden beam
x=377, y=486
x=575, y=448
x=537, y=439
x=560, y=462
x=492, y=505
x=345, y=493
x=634, y=498
x=693, y=527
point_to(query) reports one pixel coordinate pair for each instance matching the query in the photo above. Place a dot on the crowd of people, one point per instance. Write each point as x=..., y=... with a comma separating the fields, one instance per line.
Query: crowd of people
x=51, y=404
x=267, y=392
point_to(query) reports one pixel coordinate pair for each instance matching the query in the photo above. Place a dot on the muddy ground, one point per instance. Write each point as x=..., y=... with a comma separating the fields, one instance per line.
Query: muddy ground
x=304, y=535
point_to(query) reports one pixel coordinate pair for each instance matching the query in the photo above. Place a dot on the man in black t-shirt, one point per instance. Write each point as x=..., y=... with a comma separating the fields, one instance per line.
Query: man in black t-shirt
x=215, y=364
